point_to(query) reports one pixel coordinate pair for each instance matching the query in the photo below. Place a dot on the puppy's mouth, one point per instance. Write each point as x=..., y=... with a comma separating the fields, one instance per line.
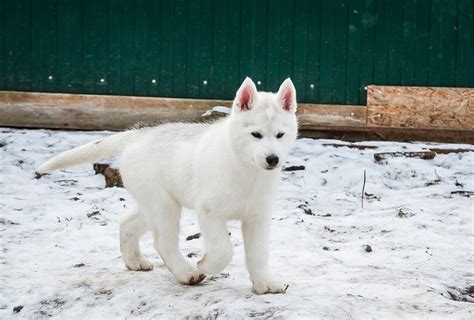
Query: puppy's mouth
x=270, y=168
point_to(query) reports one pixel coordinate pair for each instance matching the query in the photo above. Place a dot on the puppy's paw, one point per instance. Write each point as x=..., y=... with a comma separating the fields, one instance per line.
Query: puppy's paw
x=268, y=286
x=191, y=278
x=139, y=265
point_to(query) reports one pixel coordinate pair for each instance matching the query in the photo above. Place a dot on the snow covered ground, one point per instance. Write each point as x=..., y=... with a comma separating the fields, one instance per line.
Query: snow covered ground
x=60, y=254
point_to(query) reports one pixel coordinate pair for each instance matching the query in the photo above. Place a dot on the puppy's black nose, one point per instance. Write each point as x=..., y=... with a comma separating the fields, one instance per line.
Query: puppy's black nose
x=272, y=160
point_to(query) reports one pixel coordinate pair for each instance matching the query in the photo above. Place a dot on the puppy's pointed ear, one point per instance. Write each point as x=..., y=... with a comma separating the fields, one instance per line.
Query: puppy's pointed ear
x=245, y=96
x=287, y=95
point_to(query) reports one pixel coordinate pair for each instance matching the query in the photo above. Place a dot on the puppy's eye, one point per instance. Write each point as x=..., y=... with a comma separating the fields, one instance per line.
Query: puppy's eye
x=257, y=135
x=279, y=135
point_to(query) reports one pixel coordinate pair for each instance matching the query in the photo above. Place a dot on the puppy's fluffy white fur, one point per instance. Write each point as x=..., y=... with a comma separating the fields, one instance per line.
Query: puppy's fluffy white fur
x=225, y=170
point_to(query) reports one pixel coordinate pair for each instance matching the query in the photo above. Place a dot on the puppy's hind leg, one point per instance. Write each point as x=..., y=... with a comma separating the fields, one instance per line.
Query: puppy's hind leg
x=132, y=228
x=165, y=222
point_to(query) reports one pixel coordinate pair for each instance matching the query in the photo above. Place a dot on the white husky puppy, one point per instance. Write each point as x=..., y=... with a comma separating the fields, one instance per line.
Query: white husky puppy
x=225, y=170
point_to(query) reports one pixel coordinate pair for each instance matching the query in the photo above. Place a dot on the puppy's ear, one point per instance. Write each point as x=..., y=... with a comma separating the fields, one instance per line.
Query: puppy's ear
x=286, y=95
x=245, y=96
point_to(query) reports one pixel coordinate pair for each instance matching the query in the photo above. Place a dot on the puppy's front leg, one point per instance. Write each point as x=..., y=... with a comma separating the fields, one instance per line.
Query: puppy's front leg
x=217, y=244
x=256, y=232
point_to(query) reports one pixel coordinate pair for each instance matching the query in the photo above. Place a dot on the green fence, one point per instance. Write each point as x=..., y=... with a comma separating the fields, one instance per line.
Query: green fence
x=204, y=49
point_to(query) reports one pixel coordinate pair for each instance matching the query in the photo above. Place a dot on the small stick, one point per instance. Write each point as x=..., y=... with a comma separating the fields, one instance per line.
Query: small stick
x=426, y=155
x=463, y=193
x=293, y=168
x=351, y=146
x=446, y=151
x=363, y=190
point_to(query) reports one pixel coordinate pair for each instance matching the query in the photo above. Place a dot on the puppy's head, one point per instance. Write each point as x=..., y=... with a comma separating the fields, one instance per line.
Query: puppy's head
x=263, y=125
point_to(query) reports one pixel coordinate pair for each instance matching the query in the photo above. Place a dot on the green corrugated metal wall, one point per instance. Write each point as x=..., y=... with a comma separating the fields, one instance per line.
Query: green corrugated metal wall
x=204, y=49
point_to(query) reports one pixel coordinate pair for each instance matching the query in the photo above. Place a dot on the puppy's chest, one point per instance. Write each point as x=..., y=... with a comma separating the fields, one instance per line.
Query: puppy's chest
x=234, y=200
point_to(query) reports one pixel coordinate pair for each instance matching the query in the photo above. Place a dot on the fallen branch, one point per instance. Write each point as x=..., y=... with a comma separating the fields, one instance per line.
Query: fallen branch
x=426, y=155
x=193, y=236
x=463, y=193
x=363, y=190
x=293, y=168
x=306, y=210
x=446, y=151
x=351, y=146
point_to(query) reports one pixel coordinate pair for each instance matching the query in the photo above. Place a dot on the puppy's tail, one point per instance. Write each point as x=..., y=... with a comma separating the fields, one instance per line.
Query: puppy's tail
x=89, y=152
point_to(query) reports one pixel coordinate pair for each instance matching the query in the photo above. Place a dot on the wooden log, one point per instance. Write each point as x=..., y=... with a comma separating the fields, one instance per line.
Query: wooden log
x=102, y=112
x=420, y=107
x=95, y=112
x=331, y=115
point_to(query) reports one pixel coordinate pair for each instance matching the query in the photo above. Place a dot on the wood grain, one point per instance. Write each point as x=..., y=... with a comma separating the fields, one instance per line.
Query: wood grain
x=103, y=112
x=420, y=107
x=95, y=112
x=329, y=114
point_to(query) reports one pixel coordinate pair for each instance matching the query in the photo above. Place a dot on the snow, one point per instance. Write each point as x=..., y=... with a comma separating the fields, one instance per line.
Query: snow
x=420, y=234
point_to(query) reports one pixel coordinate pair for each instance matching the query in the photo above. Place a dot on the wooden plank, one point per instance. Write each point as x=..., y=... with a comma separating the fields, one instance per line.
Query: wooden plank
x=420, y=107
x=103, y=112
x=95, y=112
x=331, y=115
x=354, y=133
